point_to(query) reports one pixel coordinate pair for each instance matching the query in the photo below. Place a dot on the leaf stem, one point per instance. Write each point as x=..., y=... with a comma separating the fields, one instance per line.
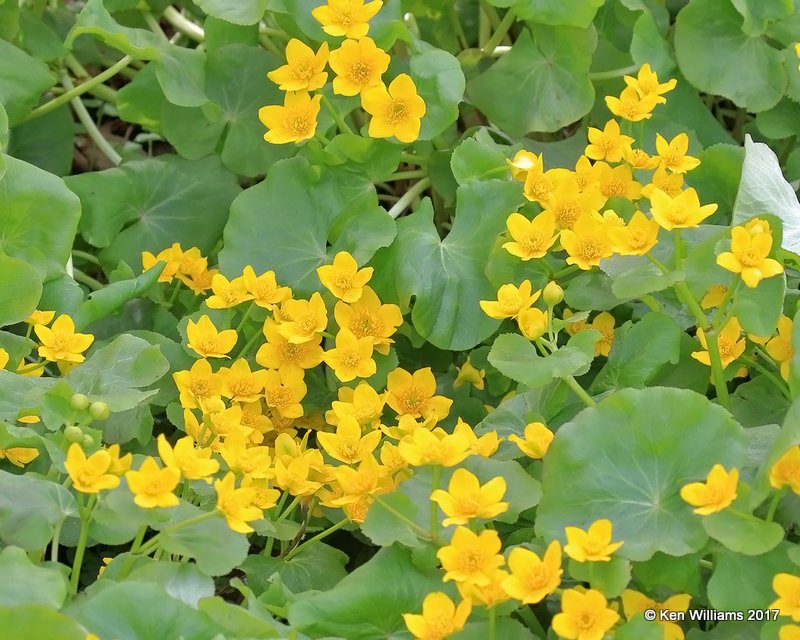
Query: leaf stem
x=320, y=536
x=183, y=24
x=249, y=344
x=717, y=370
x=91, y=128
x=83, y=538
x=408, y=197
x=719, y=315
x=435, y=479
x=410, y=158
x=152, y=543
x=80, y=276
x=425, y=535
x=407, y=175
x=54, y=543
x=613, y=73
x=769, y=375
x=337, y=117
x=501, y=32
x=776, y=498
x=492, y=623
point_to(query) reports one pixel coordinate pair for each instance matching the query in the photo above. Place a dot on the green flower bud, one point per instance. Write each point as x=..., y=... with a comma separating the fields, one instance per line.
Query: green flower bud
x=73, y=433
x=87, y=442
x=79, y=402
x=99, y=410
x=552, y=294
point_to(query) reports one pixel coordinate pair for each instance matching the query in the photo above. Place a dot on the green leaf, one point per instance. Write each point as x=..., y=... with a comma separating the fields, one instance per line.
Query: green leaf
x=95, y=20
x=183, y=582
x=141, y=100
x=609, y=577
x=638, y=628
x=139, y=611
x=20, y=290
x=643, y=350
x=167, y=199
x=649, y=45
x=26, y=583
x=319, y=567
x=47, y=142
x=758, y=14
x=717, y=178
x=367, y=604
x=542, y=84
x=447, y=277
x=29, y=509
x=515, y=356
x=479, y=158
x=441, y=84
x=307, y=210
x=707, y=31
x=523, y=491
x=743, y=532
x=37, y=621
x=23, y=80
x=40, y=217
x=627, y=458
x=235, y=621
x=674, y=573
x=788, y=437
x=578, y=13
x=181, y=74
x=758, y=309
x=235, y=11
x=384, y=528
x=3, y=133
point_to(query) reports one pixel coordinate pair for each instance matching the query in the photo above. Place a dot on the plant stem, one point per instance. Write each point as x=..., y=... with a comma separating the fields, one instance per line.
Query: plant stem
x=152, y=544
x=91, y=128
x=83, y=255
x=288, y=511
x=316, y=538
x=776, y=498
x=531, y=621
x=31, y=367
x=83, y=538
x=80, y=276
x=716, y=322
x=337, y=117
x=425, y=535
x=579, y=391
x=183, y=24
x=435, y=479
x=407, y=175
x=408, y=197
x=717, y=370
x=769, y=375
x=54, y=543
x=501, y=31
x=613, y=73
x=410, y=158
x=249, y=345
x=455, y=24
x=175, y=292
x=246, y=315
x=492, y=623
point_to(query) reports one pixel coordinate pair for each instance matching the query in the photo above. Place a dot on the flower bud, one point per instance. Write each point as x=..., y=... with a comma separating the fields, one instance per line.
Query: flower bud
x=87, y=442
x=99, y=410
x=552, y=294
x=73, y=433
x=79, y=402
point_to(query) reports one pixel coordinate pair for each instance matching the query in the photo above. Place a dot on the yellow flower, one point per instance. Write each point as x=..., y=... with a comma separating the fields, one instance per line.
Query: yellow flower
x=309, y=318
x=681, y=212
x=749, y=256
x=532, y=238
x=639, y=159
x=537, y=440
x=540, y=184
x=592, y=545
x=728, y=340
x=465, y=498
x=284, y=392
x=152, y=486
x=356, y=484
x=4, y=358
x=787, y=587
x=489, y=595
x=294, y=476
x=485, y=446
x=523, y=162
x=264, y=289
x=604, y=323
x=201, y=282
x=634, y=602
x=631, y=106
x=413, y=394
x=358, y=64
x=714, y=296
x=435, y=447
x=584, y=615
x=532, y=323
x=637, y=238
x=647, y=84
x=119, y=464
x=369, y=318
x=278, y=353
x=673, y=154
x=172, y=256
x=295, y=121
x=715, y=494
x=19, y=456
x=347, y=18
x=669, y=183
x=205, y=340
x=343, y=278
x=227, y=293
x=246, y=460
x=568, y=203
x=352, y=357
x=193, y=463
x=92, y=474
x=198, y=384
x=396, y=111
x=780, y=347
x=532, y=578
x=789, y=631
x=304, y=70
x=510, y=300
x=363, y=403
x=347, y=445
x=236, y=504
x=471, y=557
x=786, y=470
x=608, y=143
x=60, y=343
x=468, y=374
x=264, y=496
x=440, y=617
x=585, y=173
x=191, y=264
x=617, y=182
x=240, y=384
x=40, y=317
x=587, y=242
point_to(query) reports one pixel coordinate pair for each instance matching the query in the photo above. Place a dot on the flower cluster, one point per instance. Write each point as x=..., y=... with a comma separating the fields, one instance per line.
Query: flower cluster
x=358, y=64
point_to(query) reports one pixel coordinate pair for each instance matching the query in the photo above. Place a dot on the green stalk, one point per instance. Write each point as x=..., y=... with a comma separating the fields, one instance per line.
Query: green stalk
x=613, y=73
x=288, y=511
x=152, y=544
x=407, y=175
x=678, y=249
x=54, y=543
x=717, y=370
x=320, y=536
x=83, y=538
x=245, y=317
x=769, y=375
x=776, y=498
x=408, y=197
x=437, y=476
x=337, y=117
x=80, y=276
x=425, y=535
x=183, y=24
x=720, y=319
x=501, y=31
x=492, y=624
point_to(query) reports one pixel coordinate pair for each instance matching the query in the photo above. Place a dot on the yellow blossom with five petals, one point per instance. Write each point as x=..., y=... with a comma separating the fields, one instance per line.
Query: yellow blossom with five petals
x=749, y=256
x=608, y=143
x=471, y=557
x=786, y=470
x=533, y=578
x=349, y=18
x=153, y=486
x=358, y=65
x=466, y=498
x=236, y=504
x=205, y=340
x=592, y=545
x=90, y=474
x=396, y=110
x=672, y=154
x=680, y=212
x=510, y=300
x=295, y=121
x=440, y=617
x=585, y=615
x=634, y=602
x=531, y=238
x=304, y=70
x=347, y=444
x=715, y=494
x=536, y=442
x=60, y=342
x=343, y=278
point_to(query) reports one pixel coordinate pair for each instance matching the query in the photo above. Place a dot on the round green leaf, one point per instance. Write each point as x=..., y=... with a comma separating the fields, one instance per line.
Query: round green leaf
x=626, y=460
x=317, y=568
x=23, y=79
x=26, y=583
x=20, y=290
x=577, y=13
x=235, y=11
x=37, y=621
x=441, y=84
x=707, y=31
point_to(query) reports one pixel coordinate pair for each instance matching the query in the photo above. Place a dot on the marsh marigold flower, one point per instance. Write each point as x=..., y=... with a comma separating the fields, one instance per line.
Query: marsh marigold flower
x=536, y=442
x=466, y=498
x=631, y=106
x=295, y=121
x=468, y=374
x=368, y=317
x=646, y=83
x=489, y=595
x=205, y=340
x=672, y=155
x=40, y=317
x=264, y=289
x=440, y=617
x=281, y=354
x=780, y=347
x=728, y=340
x=532, y=323
x=358, y=64
x=284, y=391
x=587, y=242
x=749, y=256
x=197, y=385
x=789, y=632
x=471, y=557
x=89, y=475
x=172, y=256
x=153, y=486
x=714, y=296
x=592, y=545
x=568, y=203
x=608, y=143
x=436, y=447
x=617, y=182
x=227, y=293
x=414, y=394
x=786, y=470
x=347, y=18
x=119, y=464
x=19, y=456
x=715, y=494
x=240, y=384
x=634, y=602
x=532, y=238
x=510, y=300
x=787, y=586
x=351, y=358
x=347, y=444
x=639, y=159
x=363, y=403
x=681, y=212
x=308, y=319
x=637, y=237
x=522, y=162
x=396, y=111
x=192, y=462
x=304, y=70
x=60, y=343
x=585, y=615
x=343, y=278
x=236, y=504
x=533, y=578
x=669, y=183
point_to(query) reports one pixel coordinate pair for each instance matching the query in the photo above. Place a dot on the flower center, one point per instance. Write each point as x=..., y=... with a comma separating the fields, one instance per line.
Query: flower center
x=637, y=238
x=365, y=324
x=536, y=578
x=397, y=111
x=726, y=347
x=290, y=352
x=304, y=71
x=471, y=560
x=87, y=476
x=751, y=257
x=346, y=16
x=585, y=620
x=360, y=72
x=677, y=214
x=200, y=388
x=534, y=241
x=469, y=504
x=351, y=359
x=344, y=282
x=207, y=344
x=412, y=399
x=568, y=213
x=612, y=188
x=278, y=397
x=298, y=123
x=240, y=386
x=511, y=304
x=589, y=249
